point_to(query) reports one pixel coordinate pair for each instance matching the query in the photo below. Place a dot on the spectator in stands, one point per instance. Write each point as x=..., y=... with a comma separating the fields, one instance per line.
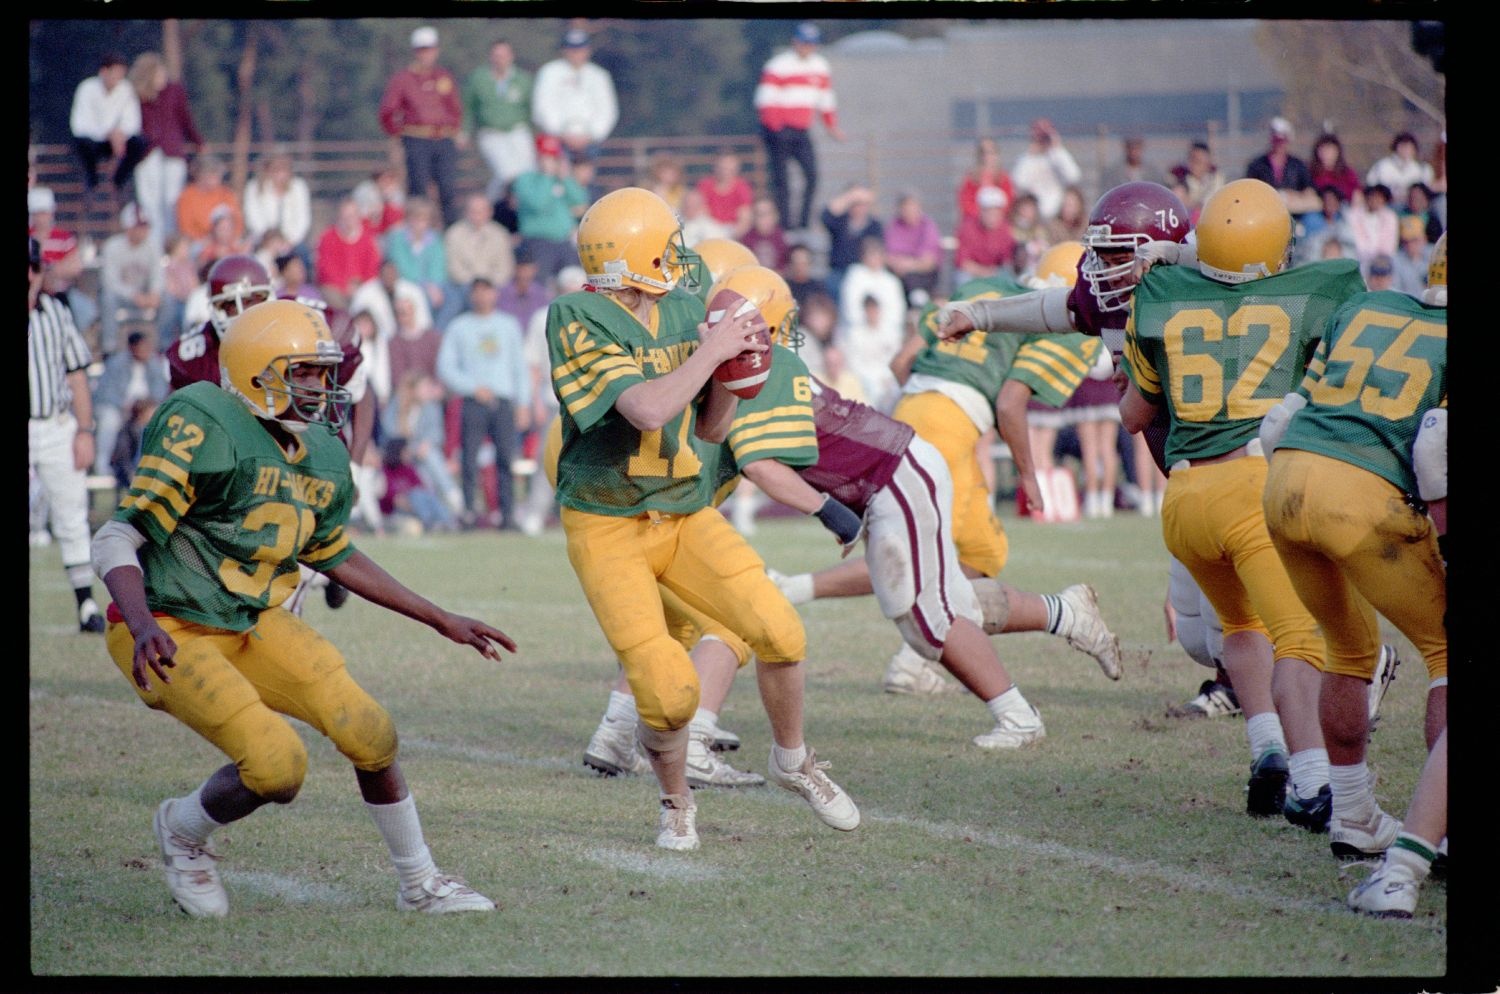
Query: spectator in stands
x=1329, y=224
x=799, y=274
x=482, y=361
x=664, y=178
x=574, y=98
x=698, y=225
x=476, y=245
x=866, y=347
x=1072, y=217
x=170, y=134
x=1285, y=172
x=381, y=200
x=224, y=237
x=728, y=195
x=179, y=280
x=271, y=246
x=135, y=373
x=850, y=219
x=1374, y=224
x=1131, y=167
x=1409, y=265
x=914, y=249
x=416, y=247
x=421, y=105
x=818, y=316
x=130, y=284
x=62, y=258
x=497, y=112
x=415, y=344
x=1419, y=198
x=1328, y=167
x=196, y=204
x=408, y=503
x=277, y=200
x=378, y=297
x=1401, y=168
x=106, y=123
x=1028, y=231
x=985, y=243
x=541, y=505
x=415, y=414
x=766, y=237
x=548, y=204
x=524, y=294
x=1199, y=175
x=795, y=86
x=347, y=255
x=1381, y=274
x=1045, y=169
x=986, y=171
x=293, y=280
x=127, y=449
x=869, y=334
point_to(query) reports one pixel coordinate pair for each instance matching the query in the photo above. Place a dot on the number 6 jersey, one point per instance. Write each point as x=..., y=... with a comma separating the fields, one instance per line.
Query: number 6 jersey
x=227, y=514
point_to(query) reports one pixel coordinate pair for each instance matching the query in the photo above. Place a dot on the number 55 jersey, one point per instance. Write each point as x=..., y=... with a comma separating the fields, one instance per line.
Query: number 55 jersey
x=227, y=513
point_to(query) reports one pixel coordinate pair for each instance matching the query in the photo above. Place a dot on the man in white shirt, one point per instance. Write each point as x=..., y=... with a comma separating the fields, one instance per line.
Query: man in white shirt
x=131, y=277
x=574, y=99
x=1045, y=169
x=106, y=121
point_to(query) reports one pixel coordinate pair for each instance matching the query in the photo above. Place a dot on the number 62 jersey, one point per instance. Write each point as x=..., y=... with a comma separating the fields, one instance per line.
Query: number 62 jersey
x=228, y=514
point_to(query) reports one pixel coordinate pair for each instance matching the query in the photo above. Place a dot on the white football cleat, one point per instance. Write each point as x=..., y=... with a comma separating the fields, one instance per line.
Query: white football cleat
x=725, y=740
x=826, y=798
x=441, y=894
x=1389, y=892
x=678, y=823
x=1088, y=632
x=612, y=751
x=1380, y=682
x=192, y=876
x=909, y=672
x=1014, y=730
x=1351, y=840
x=706, y=769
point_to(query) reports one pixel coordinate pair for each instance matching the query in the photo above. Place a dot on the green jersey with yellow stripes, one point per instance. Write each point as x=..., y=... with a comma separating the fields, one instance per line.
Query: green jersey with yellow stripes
x=598, y=351
x=228, y=514
x=1382, y=364
x=1221, y=355
x=1051, y=365
x=777, y=423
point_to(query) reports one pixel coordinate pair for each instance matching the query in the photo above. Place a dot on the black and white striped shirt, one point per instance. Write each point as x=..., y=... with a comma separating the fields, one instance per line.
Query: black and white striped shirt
x=54, y=348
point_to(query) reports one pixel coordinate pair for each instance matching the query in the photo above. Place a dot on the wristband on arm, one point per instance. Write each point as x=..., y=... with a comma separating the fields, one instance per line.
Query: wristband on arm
x=837, y=518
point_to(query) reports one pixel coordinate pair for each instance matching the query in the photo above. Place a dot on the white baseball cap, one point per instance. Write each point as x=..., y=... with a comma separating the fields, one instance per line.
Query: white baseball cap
x=424, y=37
x=41, y=200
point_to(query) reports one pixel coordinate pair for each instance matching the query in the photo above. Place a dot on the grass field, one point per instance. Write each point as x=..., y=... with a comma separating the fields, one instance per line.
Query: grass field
x=1119, y=847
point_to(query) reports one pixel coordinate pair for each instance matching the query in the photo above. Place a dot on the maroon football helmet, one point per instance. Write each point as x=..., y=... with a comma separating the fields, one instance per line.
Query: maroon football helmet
x=1126, y=217
x=236, y=283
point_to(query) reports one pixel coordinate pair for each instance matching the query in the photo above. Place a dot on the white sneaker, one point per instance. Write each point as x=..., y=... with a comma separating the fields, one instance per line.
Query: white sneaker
x=192, y=876
x=1015, y=729
x=612, y=751
x=1385, y=672
x=826, y=798
x=1088, y=632
x=441, y=894
x=725, y=740
x=1389, y=892
x=706, y=769
x=910, y=672
x=1362, y=840
x=679, y=829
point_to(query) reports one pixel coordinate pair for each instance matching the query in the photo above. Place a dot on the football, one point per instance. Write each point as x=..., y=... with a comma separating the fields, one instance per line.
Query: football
x=746, y=373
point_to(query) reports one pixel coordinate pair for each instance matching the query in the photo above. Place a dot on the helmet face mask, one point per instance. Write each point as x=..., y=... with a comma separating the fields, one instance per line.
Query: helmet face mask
x=264, y=357
x=1123, y=219
x=235, y=284
x=322, y=403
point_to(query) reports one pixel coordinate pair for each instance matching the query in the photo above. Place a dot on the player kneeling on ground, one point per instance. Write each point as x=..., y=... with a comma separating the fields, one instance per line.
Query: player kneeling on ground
x=236, y=486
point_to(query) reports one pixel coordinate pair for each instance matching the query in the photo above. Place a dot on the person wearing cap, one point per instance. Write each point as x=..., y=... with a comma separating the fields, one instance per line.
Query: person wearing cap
x=985, y=243
x=1286, y=173
x=200, y=198
x=1045, y=169
x=795, y=86
x=574, y=98
x=131, y=277
x=106, y=121
x=62, y=257
x=497, y=113
x=548, y=203
x=422, y=107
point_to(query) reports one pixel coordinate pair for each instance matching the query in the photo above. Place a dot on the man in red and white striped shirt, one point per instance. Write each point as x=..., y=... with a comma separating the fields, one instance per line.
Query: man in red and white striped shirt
x=795, y=85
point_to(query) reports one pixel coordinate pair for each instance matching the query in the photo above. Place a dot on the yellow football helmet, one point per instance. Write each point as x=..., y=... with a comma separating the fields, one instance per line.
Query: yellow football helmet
x=1058, y=266
x=256, y=359
x=1437, y=269
x=718, y=256
x=767, y=291
x=1244, y=233
x=631, y=239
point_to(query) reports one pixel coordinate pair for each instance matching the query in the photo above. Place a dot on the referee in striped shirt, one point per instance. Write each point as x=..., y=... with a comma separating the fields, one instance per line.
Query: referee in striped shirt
x=60, y=437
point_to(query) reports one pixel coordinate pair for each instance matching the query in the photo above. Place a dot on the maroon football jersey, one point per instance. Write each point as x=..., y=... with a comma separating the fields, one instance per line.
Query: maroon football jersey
x=194, y=358
x=858, y=448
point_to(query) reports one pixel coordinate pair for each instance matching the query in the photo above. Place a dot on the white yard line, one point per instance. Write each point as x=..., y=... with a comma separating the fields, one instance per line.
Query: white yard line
x=677, y=867
x=287, y=889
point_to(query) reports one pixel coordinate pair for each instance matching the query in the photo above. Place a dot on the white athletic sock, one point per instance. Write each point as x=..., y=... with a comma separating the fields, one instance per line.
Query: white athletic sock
x=704, y=722
x=1352, y=797
x=1309, y=771
x=790, y=759
x=621, y=708
x=1011, y=700
x=1413, y=852
x=798, y=589
x=1264, y=732
x=402, y=832
x=189, y=819
x=1059, y=614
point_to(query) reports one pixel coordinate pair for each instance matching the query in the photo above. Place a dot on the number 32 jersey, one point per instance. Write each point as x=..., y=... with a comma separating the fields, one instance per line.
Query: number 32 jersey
x=1221, y=355
x=227, y=514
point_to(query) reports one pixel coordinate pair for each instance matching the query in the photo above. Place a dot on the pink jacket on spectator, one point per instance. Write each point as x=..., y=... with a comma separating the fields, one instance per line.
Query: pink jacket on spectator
x=167, y=122
x=792, y=89
x=345, y=265
x=986, y=246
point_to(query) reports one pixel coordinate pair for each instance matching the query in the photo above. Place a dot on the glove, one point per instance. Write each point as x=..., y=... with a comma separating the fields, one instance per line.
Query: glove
x=846, y=526
x=1274, y=424
x=1430, y=455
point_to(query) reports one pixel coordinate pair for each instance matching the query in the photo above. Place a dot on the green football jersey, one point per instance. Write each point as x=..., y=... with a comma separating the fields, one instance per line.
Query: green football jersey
x=777, y=423
x=227, y=514
x=1219, y=355
x=1382, y=364
x=1051, y=365
x=598, y=351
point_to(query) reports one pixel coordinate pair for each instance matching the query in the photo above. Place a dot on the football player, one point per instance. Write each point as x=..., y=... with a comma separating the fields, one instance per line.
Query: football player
x=1214, y=345
x=955, y=391
x=1344, y=501
x=237, y=283
x=632, y=367
x=863, y=473
x=249, y=479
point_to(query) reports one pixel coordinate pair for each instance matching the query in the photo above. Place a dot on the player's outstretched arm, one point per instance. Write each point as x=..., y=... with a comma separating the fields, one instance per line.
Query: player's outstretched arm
x=365, y=577
x=1041, y=312
x=783, y=483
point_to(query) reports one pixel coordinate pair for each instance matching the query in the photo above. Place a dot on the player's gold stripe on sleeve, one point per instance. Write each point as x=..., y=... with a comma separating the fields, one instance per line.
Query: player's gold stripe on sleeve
x=1057, y=356
x=336, y=543
x=1066, y=383
x=164, y=466
x=608, y=352
x=146, y=485
x=740, y=451
x=589, y=378
x=161, y=514
x=582, y=403
x=786, y=410
x=1144, y=374
x=788, y=426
